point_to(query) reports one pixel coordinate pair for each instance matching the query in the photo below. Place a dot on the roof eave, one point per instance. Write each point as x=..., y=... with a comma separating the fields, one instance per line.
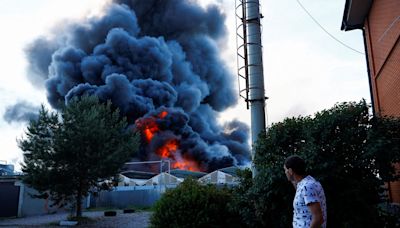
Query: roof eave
x=355, y=13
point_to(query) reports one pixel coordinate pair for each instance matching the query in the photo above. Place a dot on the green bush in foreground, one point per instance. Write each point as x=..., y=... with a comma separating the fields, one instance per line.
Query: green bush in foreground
x=194, y=205
x=349, y=152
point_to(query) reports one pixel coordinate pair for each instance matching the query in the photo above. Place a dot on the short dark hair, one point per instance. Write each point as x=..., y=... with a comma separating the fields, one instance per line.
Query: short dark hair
x=297, y=164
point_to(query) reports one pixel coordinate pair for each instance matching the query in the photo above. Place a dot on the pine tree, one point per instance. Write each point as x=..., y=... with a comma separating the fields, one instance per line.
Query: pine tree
x=68, y=155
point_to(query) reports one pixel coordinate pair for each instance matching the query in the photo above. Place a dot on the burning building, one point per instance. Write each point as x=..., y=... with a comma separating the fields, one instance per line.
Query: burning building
x=159, y=62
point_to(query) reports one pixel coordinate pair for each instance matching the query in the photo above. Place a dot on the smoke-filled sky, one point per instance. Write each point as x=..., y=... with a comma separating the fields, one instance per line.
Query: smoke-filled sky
x=44, y=40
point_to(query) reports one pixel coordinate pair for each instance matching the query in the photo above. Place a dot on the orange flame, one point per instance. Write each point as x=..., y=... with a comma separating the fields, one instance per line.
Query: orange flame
x=150, y=128
x=186, y=165
x=168, y=148
x=163, y=114
x=149, y=125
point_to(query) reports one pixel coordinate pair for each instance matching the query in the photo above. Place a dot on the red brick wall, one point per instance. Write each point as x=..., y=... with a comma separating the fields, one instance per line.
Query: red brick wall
x=383, y=35
x=382, y=29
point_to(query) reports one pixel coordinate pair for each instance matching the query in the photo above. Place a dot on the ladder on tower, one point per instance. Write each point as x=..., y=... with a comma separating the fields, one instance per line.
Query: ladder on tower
x=242, y=52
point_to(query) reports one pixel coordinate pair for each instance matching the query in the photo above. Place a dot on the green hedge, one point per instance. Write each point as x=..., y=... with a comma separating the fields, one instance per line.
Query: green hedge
x=195, y=205
x=349, y=152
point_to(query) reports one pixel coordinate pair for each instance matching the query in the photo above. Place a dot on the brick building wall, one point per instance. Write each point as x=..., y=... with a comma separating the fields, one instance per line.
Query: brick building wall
x=382, y=29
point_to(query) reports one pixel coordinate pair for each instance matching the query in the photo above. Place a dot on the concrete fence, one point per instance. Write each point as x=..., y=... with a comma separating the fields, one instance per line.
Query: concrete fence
x=127, y=196
x=17, y=200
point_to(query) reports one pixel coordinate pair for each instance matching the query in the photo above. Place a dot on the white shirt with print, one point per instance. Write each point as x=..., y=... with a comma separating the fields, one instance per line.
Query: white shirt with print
x=308, y=191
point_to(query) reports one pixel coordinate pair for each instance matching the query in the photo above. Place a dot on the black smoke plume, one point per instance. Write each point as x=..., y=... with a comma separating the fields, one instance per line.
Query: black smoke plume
x=149, y=56
x=22, y=111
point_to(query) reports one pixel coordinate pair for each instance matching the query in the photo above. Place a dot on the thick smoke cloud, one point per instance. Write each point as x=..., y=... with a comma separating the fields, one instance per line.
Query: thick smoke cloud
x=148, y=57
x=21, y=112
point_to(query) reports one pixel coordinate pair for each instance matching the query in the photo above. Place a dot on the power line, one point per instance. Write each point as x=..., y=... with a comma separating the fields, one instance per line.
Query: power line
x=326, y=31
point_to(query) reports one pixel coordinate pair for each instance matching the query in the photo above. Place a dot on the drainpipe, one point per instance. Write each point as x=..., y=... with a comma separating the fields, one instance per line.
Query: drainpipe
x=369, y=72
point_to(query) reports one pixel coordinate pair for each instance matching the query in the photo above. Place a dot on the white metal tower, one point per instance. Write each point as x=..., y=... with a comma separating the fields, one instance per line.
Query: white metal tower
x=250, y=65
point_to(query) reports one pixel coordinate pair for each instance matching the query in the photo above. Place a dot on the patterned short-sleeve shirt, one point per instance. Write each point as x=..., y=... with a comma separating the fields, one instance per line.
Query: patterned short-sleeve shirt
x=308, y=191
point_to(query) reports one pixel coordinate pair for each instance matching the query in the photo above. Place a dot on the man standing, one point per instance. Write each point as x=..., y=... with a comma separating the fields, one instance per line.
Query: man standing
x=309, y=205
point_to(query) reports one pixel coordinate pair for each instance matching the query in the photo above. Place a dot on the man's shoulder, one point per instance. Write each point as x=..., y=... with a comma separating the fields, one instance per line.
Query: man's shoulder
x=311, y=183
x=312, y=191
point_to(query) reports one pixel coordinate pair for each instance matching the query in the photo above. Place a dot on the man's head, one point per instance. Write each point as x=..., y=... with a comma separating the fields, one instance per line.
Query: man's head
x=294, y=166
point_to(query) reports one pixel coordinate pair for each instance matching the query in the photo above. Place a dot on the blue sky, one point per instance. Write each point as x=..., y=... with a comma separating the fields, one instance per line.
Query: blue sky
x=305, y=69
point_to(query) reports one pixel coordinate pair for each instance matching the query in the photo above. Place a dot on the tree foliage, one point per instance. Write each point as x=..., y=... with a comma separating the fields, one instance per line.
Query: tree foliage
x=195, y=205
x=67, y=155
x=349, y=152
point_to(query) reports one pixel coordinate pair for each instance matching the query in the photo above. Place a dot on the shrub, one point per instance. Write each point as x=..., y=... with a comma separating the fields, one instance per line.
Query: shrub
x=349, y=152
x=194, y=205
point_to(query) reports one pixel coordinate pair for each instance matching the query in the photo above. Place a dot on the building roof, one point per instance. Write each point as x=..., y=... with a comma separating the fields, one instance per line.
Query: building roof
x=232, y=170
x=6, y=169
x=163, y=178
x=138, y=174
x=186, y=173
x=175, y=172
x=355, y=12
x=218, y=177
x=10, y=178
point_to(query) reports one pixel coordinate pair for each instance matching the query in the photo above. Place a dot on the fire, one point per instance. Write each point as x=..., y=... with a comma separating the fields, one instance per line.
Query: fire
x=170, y=149
x=163, y=114
x=150, y=130
x=149, y=125
x=186, y=165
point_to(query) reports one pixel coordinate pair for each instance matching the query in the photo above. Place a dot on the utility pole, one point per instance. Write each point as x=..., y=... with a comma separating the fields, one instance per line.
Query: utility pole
x=250, y=66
